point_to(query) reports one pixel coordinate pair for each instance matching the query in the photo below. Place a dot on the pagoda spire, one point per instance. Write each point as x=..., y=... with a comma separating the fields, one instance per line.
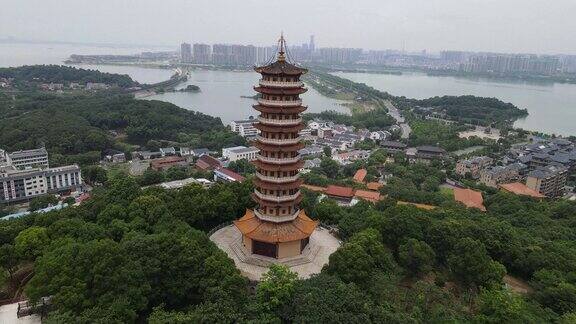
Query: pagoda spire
x=281, y=52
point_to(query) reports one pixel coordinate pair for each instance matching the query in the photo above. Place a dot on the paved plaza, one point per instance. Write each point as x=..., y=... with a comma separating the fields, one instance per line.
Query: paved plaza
x=314, y=257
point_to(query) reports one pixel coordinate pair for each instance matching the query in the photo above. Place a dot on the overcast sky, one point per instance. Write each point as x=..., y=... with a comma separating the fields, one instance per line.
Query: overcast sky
x=533, y=26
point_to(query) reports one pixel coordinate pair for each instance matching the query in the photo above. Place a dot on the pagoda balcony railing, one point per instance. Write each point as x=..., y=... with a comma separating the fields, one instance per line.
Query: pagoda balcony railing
x=276, y=218
x=277, y=199
x=277, y=179
x=278, y=160
x=280, y=122
x=280, y=103
x=281, y=84
x=276, y=141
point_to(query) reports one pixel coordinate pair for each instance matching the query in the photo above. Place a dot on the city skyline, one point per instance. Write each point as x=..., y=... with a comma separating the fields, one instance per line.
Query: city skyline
x=514, y=27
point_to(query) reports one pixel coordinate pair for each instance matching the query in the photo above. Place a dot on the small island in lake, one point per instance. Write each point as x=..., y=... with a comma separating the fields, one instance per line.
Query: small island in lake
x=190, y=88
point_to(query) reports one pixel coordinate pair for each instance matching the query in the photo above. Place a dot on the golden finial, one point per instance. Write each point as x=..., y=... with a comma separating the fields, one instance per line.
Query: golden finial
x=281, y=56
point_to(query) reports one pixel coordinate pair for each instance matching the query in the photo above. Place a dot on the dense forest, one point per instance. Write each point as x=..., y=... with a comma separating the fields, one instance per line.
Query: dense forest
x=78, y=128
x=63, y=74
x=130, y=255
x=472, y=110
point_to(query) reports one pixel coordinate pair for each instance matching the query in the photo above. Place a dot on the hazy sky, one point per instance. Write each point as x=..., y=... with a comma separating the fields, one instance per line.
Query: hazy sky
x=535, y=26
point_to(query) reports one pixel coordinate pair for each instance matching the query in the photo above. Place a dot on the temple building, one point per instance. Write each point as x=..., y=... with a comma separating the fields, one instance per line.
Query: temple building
x=277, y=231
x=277, y=227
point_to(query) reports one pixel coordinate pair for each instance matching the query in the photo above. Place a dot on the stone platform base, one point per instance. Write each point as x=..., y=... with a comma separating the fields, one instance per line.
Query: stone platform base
x=311, y=261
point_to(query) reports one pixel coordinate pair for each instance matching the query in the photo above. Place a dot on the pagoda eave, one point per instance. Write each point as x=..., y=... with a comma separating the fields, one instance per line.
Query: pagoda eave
x=279, y=128
x=275, y=148
x=280, y=110
x=268, y=203
x=277, y=186
x=278, y=167
x=280, y=91
x=256, y=229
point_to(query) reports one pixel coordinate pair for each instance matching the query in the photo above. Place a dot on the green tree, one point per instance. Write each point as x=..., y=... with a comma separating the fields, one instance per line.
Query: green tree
x=8, y=259
x=92, y=281
x=94, y=174
x=329, y=167
x=471, y=264
x=416, y=256
x=31, y=242
x=276, y=287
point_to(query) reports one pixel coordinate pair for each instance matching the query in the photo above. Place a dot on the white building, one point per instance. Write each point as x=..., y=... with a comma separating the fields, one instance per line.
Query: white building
x=235, y=124
x=240, y=152
x=380, y=135
x=19, y=185
x=36, y=158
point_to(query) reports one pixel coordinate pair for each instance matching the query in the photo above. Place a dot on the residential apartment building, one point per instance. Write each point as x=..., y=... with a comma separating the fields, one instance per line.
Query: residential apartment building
x=549, y=180
x=19, y=185
x=202, y=54
x=36, y=158
x=473, y=166
x=185, y=53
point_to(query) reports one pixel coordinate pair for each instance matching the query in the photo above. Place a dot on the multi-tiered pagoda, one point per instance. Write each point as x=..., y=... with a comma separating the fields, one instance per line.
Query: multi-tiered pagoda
x=277, y=227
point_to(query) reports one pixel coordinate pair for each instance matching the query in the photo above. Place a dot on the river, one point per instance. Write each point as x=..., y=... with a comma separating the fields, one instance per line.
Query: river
x=551, y=106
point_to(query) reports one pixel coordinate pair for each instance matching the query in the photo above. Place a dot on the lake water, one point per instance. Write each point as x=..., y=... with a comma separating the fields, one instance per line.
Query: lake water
x=221, y=91
x=220, y=94
x=551, y=106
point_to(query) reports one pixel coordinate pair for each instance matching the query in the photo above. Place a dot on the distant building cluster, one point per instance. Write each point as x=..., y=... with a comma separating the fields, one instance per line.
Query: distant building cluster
x=26, y=174
x=509, y=63
x=537, y=169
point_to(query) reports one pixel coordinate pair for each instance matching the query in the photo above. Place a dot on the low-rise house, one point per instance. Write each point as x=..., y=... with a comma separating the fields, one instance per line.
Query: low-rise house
x=521, y=189
x=240, y=152
x=496, y=175
x=317, y=124
x=549, y=181
x=374, y=185
x=371, y=196
x=380, y=135
x=325, y=132
x=473, y=166
x=167, y=151
x=226, y=175
x=115, y=157
x=200, y=151
x=184, y=151
x=393, y=147
x=207, y=163
x=147, y=155
x=166, y=163
x=333, y=144
x=96, y=86
x=470, y=198
x=427, y=153
x=311, y=164
x=351, y=156
x=312, y=150
x=360, y=175
x=342, y=195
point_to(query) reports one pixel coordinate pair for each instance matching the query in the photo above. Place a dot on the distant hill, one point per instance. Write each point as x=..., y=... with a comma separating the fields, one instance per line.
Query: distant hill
x=65, y=75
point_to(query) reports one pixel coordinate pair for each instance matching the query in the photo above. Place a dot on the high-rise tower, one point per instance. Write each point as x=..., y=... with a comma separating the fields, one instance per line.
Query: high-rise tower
x=277, y=227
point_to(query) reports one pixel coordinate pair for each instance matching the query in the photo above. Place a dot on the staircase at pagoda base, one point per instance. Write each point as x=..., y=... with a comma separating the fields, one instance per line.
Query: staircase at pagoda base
x=277, y=240
x=307, y=256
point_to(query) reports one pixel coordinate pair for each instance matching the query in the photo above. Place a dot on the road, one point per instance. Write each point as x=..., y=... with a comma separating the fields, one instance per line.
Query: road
x=395, y=113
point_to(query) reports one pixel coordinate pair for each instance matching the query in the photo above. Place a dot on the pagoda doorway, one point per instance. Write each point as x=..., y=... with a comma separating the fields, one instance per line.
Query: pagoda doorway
x=265, y=249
